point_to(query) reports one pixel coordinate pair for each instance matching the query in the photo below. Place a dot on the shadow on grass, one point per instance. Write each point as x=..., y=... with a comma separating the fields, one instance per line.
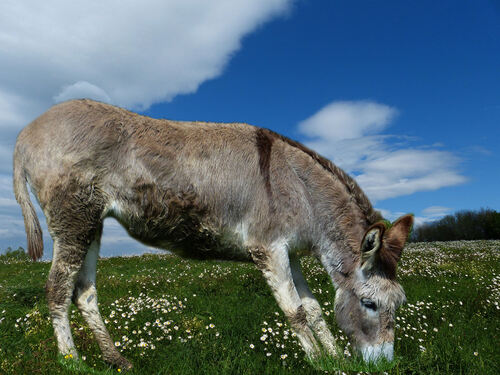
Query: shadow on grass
x=26, y=295
x=352, y=364
x=77, y=366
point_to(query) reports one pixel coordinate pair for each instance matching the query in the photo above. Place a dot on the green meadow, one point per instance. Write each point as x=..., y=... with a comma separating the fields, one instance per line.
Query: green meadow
x=173, y=316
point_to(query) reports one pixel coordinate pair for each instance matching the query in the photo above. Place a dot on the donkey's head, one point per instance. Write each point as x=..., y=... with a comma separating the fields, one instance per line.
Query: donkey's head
x=365, y=305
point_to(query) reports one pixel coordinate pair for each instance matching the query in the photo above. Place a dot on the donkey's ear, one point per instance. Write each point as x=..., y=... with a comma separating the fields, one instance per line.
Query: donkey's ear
x=371, y=245
x=396, y=236
x=394, y=241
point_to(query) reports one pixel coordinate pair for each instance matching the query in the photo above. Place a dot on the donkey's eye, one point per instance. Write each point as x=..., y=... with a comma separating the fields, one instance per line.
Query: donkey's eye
x=369, y=304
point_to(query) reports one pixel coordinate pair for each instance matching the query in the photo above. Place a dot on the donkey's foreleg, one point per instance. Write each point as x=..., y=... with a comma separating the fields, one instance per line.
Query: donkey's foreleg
x=275, y=266
x=312, y=308
x=85, y=297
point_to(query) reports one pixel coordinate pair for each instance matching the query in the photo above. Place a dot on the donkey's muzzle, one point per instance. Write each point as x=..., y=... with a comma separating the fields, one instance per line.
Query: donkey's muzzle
x=372, y=353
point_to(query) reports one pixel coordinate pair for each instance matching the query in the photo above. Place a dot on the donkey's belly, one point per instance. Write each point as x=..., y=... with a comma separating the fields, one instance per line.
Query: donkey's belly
x=192, y=242
x=185, y=234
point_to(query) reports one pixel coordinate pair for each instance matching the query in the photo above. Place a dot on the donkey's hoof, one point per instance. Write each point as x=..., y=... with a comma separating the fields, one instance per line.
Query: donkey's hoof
x=118, y=361
x=335, y=352
x=123, y=364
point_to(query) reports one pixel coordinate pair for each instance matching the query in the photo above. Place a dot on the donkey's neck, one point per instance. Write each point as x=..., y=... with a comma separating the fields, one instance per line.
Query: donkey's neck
x=339, y=260
x=344, y=226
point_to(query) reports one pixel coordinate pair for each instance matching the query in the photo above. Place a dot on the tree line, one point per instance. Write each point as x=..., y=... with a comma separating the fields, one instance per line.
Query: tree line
x=483, y=224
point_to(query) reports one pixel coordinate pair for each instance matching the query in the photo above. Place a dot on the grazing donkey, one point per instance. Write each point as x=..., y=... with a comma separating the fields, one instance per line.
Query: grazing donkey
x=206, y=190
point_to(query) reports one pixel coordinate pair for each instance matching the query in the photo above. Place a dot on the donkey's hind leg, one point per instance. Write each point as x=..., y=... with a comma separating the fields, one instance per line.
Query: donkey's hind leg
x=74, y=217
x=85, y=297
x=59, y=289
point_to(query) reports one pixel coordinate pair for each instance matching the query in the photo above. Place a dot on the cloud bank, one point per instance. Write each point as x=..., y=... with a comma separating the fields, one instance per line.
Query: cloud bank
x=128, y=53
x=350, y=133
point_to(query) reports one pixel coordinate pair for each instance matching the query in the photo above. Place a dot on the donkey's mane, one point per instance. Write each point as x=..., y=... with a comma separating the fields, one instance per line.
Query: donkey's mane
x=351, y=185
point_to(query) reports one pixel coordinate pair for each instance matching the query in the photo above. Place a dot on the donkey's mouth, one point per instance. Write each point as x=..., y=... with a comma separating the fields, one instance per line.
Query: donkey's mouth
x=373, y=353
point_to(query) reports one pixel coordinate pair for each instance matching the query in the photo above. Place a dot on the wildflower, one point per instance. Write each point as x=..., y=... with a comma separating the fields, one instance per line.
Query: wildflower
x=476, y=354
x=252, y=346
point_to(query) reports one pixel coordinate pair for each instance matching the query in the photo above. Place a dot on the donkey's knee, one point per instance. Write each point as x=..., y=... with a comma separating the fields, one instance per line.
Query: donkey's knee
x=84, y=295
x=313, y=311
x=299, y=324
x=298, y=318
x=60, y=285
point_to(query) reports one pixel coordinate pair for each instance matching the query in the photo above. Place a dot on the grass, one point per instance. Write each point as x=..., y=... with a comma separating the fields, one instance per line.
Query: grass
x=174, y=316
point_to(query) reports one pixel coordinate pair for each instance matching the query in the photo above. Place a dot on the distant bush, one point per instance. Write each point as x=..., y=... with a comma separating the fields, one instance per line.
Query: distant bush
x=483, y=224
x=19, y=254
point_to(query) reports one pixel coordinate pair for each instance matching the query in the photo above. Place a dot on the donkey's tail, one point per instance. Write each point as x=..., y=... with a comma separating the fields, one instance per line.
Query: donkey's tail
x=31, y=223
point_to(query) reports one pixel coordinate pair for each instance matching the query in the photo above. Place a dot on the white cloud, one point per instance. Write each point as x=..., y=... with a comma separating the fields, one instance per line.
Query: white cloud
x=436, y=211
x=6, y=152
x=16, y=110
x=427, y=215
x=406, y=171
x=7, y=202
x=129, y=53
x=82, y=89
x=385, y=166
x=10, y=113
x=347, y=120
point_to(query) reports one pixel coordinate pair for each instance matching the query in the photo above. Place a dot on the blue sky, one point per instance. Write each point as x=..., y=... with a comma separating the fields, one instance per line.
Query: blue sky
x=403, y=95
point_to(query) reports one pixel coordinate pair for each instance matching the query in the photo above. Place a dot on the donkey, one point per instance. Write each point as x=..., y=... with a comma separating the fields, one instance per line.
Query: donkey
x=206, y=190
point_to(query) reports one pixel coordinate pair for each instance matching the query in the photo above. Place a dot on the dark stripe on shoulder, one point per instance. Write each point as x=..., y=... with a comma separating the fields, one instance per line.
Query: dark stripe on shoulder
x=352, y=187
x=264, y=140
